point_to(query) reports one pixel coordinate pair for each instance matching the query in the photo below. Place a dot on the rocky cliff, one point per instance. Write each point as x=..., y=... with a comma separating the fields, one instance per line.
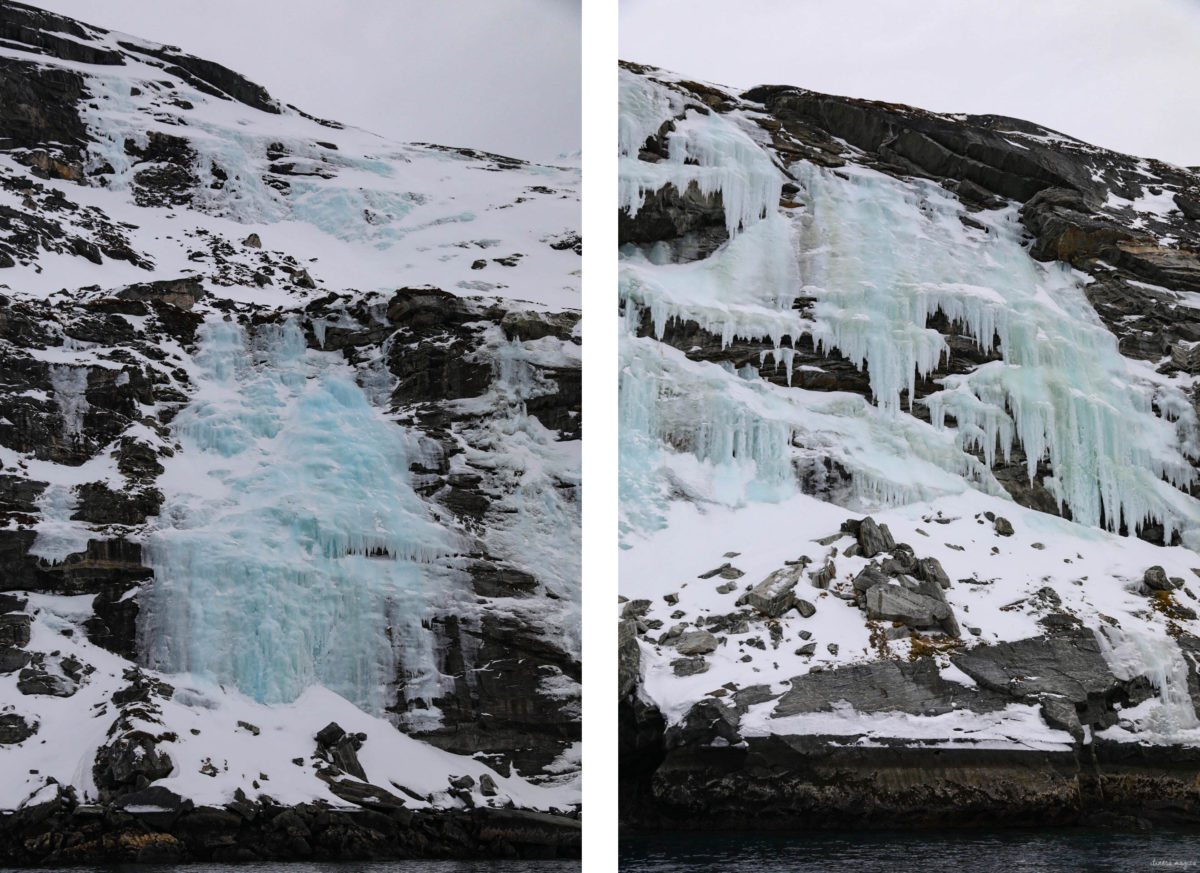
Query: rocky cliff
x=909, y=467
x=289, y=435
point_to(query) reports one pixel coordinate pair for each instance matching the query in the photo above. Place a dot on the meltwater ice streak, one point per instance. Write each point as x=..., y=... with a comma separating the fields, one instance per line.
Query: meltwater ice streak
x=296, y=552
x=880, y=258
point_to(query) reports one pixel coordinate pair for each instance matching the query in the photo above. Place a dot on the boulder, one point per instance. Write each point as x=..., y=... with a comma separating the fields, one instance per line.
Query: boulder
x=874, y=538
x=696, y=643
x=895, y=603
x=1156, y=580
x=868, y=577
x=689, y=666
x=183, y=293
x=14, y=629
x=340, y=749
x=15, y=729
x=773, y=596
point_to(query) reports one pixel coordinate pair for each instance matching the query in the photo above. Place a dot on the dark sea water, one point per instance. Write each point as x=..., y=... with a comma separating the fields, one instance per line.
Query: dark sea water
x=332, y=867
x=1011, y=851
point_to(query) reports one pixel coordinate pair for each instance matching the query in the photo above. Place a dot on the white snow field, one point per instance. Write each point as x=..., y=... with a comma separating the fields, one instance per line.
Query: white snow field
x=712, y=458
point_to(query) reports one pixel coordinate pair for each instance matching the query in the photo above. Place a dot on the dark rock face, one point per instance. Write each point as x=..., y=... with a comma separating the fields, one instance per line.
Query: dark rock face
x=692, y=223
x=58, y=833
x=703, y=772
x=504, y=712
x=811, y=783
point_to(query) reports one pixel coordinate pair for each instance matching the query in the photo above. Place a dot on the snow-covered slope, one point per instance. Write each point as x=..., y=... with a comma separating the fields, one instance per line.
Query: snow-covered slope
x=289, y=427
x=909, y=443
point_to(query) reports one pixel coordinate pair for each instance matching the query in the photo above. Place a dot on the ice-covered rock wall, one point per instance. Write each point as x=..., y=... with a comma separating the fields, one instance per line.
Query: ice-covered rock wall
x=859, y=264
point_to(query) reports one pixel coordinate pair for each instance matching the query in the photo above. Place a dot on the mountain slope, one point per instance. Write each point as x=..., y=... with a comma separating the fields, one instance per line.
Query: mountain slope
x=289, y=426
x=922, y=386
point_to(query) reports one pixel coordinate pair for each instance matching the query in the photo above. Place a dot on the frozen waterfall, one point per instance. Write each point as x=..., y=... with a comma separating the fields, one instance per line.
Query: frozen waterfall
x=291, y=549
x=880, y=257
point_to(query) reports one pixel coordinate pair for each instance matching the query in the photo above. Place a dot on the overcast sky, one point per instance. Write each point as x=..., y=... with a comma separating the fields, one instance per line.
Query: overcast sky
x=1124, y=74
x=501, y=75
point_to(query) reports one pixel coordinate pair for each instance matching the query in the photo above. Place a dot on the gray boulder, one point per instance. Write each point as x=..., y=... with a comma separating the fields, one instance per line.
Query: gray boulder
x=931, y=570
x=689, y=666
x=896, y=603
x=773, y=596
x=874, y=538
x=696, y=643
x=1156, y=580
x=869, y=577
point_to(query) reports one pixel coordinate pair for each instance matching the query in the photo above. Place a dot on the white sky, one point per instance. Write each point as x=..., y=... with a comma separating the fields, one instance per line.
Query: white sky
x=1124, y=74
x=501, y=75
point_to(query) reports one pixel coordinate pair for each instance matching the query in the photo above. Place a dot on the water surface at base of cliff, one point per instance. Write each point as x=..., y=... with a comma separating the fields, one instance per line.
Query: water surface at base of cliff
x=1054, y=851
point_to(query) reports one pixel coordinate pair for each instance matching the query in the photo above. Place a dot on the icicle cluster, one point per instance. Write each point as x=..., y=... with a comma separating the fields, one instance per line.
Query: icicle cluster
x=708, y=151
x=882, y=257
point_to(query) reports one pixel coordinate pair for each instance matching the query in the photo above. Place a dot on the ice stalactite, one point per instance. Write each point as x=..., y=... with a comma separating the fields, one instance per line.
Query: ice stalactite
x=711, y=434
x=291, y=550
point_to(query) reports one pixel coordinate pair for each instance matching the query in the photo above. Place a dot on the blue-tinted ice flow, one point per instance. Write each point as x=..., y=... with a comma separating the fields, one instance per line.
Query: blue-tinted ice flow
x=880, y=257
x=301, y=555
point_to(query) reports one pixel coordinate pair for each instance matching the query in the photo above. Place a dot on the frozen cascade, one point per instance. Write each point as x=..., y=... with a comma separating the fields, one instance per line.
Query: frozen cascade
x=58, y=536
x=291, y=550
x=881, y=257
x=709, y=151
x=1134, y=653
x=714, y=435
x=70, y=393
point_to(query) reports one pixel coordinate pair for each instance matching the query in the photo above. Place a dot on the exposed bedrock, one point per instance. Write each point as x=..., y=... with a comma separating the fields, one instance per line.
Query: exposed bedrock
x=819, y=783
x=156, y=826
x=705, y=773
